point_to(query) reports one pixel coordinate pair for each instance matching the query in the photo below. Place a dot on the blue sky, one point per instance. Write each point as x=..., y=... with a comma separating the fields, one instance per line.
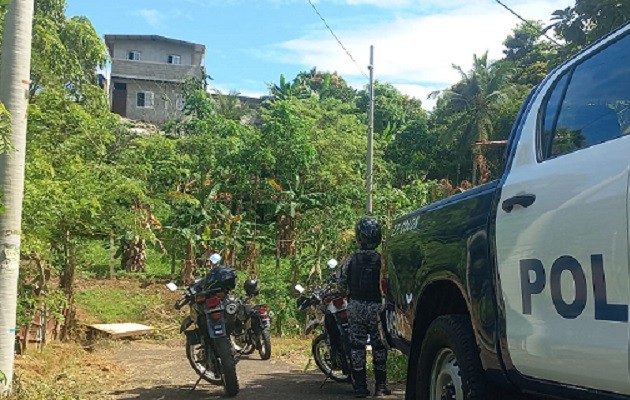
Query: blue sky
x=249, y=43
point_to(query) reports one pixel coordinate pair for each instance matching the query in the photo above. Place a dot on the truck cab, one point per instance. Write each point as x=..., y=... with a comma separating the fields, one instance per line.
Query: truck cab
x=523, y=283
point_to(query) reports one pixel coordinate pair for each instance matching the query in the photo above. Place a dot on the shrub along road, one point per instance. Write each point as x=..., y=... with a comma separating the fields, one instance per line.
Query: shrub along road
x=158, y=371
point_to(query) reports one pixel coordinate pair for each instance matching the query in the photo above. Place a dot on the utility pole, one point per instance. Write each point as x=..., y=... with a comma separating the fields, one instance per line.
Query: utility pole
x=15, y=68
x=370, y=149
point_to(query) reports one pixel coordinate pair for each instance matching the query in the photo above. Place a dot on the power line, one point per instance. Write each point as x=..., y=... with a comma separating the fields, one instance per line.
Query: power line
x=337, y=39
x=526, y=21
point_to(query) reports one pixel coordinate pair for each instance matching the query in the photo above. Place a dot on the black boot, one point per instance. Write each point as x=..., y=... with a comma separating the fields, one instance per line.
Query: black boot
x=360, y=384
x=380, y=387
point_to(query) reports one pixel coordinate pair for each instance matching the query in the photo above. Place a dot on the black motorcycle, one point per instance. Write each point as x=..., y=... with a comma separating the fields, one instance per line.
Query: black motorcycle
x=208, y=346
x=251, y=329
x=331, y=348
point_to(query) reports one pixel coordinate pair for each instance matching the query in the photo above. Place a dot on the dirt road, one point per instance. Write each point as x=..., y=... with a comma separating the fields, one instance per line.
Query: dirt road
x=157, y=371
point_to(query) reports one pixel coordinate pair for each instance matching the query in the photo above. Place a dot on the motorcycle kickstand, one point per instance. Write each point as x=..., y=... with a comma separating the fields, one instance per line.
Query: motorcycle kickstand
x=195, y=385
x=325, y=380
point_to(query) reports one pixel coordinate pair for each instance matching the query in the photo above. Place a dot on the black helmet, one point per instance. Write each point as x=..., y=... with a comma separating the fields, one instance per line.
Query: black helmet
x=251, y=287
x=222, y=276
x=368, y=233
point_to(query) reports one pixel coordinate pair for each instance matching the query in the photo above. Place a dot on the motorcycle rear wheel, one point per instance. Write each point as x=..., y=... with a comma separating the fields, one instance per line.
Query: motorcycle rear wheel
x=196, y=355
x=323, y=358
x=265, y=345
x=223, y=347
x=242, y=345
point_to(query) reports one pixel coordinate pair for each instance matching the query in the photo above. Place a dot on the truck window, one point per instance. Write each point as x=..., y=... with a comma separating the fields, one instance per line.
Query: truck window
x=589, y=104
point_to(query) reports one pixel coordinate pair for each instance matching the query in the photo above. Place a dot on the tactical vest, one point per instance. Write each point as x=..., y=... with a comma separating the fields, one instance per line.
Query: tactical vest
x=365, y=276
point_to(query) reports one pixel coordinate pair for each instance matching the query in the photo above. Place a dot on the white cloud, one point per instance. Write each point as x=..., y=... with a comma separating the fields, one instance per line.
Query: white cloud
x=228, y=89
x=417, y=50
x=153, y=17
x=420, y=92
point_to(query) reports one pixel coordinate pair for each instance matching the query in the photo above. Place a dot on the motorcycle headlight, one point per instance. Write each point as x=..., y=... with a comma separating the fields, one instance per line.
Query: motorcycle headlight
x=231, y=308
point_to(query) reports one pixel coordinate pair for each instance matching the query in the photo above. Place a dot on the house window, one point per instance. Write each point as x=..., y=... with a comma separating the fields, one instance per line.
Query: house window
x=174, y=59
x=144, y=100
x=134, y=55
x=179, y=102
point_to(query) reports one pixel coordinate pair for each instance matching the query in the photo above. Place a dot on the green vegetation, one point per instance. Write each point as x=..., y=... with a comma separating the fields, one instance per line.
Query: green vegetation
x=275, y=190
x=116, y=305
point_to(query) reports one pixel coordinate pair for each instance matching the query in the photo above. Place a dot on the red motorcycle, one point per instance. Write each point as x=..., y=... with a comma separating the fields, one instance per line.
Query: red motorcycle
x=331, y=348
x=208, y=325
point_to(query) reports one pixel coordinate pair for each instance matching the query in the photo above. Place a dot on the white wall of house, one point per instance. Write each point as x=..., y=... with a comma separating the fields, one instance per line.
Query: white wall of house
x=155, y=51
x=166, y=104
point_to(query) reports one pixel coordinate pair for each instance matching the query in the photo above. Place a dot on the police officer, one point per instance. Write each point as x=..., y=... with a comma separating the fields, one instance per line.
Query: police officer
x=360, y=281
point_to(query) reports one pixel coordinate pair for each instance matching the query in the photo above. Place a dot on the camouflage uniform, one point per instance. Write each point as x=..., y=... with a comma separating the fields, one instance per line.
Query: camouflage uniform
x=363, y=322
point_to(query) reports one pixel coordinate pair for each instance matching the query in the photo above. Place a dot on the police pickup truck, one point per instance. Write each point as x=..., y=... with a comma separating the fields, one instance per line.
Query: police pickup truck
x=523, y=284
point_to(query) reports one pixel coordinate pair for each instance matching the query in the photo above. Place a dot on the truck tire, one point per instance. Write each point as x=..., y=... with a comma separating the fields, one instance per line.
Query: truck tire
x=449, y=365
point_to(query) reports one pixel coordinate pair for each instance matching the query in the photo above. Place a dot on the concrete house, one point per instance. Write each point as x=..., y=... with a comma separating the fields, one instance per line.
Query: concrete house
x=148, y=73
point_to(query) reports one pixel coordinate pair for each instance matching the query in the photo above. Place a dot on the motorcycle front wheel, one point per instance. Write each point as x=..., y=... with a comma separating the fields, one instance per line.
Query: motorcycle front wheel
x=323, y=358
x=196, y=355
x=223, y=347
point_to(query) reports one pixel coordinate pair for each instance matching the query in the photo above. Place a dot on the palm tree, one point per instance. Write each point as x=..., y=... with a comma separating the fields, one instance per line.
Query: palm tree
x=16, y=61
x=474, y=100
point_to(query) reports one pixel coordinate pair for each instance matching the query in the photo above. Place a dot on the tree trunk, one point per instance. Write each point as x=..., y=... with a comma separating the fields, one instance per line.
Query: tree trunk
x=285, y=239
x=66, y=284
x=134, y=255
x=14, y=85
x=250, y=256
x=190, y=266
x=112, y=255
x=173, y=257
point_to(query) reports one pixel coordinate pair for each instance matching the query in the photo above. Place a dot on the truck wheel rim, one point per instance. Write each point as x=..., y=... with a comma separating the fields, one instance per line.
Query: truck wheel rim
x=446, y=381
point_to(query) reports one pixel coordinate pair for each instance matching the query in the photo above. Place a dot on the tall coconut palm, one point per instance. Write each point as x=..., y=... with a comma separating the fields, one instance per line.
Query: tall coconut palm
x=474, y=101
x=14, y=79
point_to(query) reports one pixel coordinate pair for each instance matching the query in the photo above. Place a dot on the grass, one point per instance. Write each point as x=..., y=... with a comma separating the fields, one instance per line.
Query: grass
x=396, y=366
x=63, y=371
x=115, y=305
x=293, y=350
x=129, y=300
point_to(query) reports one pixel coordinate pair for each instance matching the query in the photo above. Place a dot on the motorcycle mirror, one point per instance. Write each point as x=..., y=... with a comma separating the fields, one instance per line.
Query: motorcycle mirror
x=332, y=263
x=215, y=258
x=171, y=286
x=300, y=288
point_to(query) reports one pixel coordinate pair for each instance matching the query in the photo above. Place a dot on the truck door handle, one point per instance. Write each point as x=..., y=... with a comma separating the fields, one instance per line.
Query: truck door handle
x=524, y=200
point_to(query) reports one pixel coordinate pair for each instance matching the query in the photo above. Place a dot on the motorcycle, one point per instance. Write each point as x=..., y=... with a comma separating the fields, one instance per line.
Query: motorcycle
x=331, y=348
x=212, y=313
x=251, y=329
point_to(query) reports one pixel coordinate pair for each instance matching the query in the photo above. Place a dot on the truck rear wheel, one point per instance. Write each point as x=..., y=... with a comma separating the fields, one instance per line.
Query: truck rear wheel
x=449, y=365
